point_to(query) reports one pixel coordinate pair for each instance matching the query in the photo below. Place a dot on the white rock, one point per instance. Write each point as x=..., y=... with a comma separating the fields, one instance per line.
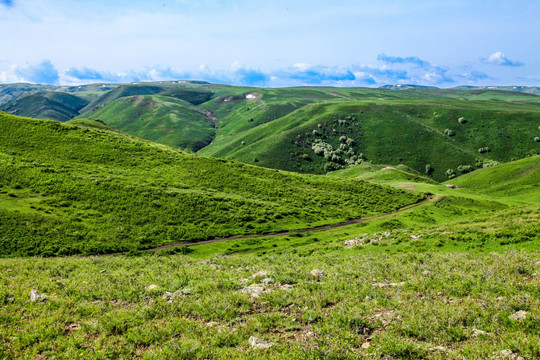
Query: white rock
x=260, y=273
x=317, y=272
x=388, y=284
x=152, y=287
x=255, y=290
x=477, y=333
x=258, y=343
x=518, y=316
x=36, y=296
x=286, y=287
x=267, y=281
x=508, y=354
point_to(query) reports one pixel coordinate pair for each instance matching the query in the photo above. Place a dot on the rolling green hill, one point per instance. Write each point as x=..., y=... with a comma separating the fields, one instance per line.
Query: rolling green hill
x=327, y=136
x=381, y=173
x=158, y=118
x=321, y=129
x=46, y=105
x=517, y=178
x=69, y=189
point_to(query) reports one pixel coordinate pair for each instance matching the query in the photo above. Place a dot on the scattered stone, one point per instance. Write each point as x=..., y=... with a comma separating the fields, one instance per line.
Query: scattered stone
x=367, y=298
x=451, y=186
x=477, y=333
x=415, y=237
x=9, y=270
x=317, y=273
x=152, y=287
x=508, y=354
x=170, y=297
x=260, y=273
x=207, y=262
x=426, y=273
x=255, y=290
x=212, y=324
x=36, y=296
x=257, y=343
x=388, y=284
x=366, y=345
x=518, y=316
x=72, y=327
x=103, y=271
x=286, y=287
x=10, y=297
x=440, y=348
x=267, y=281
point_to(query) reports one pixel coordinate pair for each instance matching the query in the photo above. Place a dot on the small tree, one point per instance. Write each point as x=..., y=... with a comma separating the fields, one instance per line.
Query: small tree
x=429, y=169
x=450, y=173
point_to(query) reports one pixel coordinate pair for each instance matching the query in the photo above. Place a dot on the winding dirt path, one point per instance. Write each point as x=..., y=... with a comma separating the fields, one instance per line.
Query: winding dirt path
x=427, y=199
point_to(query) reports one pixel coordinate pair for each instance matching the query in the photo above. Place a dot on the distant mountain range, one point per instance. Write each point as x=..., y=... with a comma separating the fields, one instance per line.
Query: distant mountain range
x=440, y=133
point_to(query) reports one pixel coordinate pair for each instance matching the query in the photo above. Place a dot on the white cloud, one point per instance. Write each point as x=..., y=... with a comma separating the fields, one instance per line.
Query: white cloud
x=498, y=58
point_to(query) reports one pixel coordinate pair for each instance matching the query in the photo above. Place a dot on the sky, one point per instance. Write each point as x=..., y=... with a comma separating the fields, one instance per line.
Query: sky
x=272, y=43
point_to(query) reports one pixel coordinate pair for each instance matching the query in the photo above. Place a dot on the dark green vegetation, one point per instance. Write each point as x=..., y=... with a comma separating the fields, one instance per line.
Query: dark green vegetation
x=317, y=130
x=47, y=105
x=70, y=189
x=327, y=136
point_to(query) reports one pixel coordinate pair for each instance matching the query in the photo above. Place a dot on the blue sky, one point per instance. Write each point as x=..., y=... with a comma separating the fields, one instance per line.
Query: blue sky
x=272, y=43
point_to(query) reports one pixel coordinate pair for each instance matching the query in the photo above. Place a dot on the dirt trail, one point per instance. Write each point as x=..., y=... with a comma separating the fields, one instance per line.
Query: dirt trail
x=427, y=199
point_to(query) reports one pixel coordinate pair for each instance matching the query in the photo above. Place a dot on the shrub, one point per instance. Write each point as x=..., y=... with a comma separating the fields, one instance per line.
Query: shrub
x=449, y=132
x=462, y=120
x=450, y=173
x=537, y=139
x=429, y=169
x=332, y=166
x=243, y=143
x=483, y=150
x=490, y=163
x=317, y=133
x=465, y=168
x=342, y=139
x=350, y=142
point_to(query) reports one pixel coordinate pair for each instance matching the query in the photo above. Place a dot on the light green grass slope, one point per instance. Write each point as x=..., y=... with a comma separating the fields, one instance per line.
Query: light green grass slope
x=68, y=189
x=162, y=119
x=517, y=178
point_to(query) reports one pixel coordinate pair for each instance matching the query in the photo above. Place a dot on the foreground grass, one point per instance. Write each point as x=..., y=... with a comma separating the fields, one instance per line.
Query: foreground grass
x=430, y=305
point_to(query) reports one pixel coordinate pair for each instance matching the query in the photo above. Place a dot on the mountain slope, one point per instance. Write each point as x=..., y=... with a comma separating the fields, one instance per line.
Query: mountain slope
x=327, y=136
x=163, y=119
x=517, y=178
x=68, y=189
x=46, y=105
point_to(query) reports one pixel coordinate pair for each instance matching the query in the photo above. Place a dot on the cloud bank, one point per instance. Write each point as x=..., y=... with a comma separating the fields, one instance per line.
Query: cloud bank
x=387, y=70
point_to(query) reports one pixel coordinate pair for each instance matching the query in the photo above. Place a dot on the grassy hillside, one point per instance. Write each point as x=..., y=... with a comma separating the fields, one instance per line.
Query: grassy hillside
x=46, y=105
x=68, y=189
x=158, y=118
x=451, y=130
x=327, y=136
x=518, y=178
x=382, y=173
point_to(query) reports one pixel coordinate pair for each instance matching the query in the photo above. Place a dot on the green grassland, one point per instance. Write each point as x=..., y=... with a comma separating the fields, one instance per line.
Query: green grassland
x=454, y=276
x=158, y=118
x=451, y=130
x=68, y=189
x=411, y=132
x=47, y=105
